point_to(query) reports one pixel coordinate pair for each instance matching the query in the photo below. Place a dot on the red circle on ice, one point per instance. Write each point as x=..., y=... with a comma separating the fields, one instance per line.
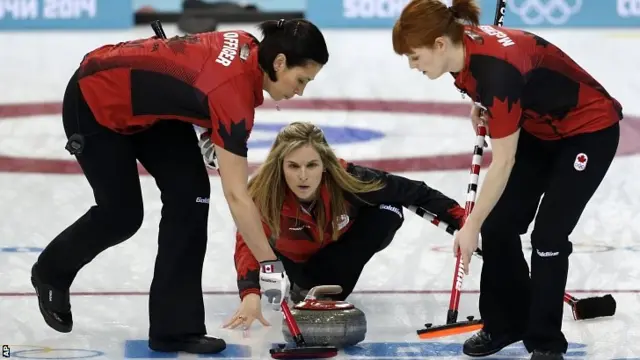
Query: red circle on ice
x=629, y=144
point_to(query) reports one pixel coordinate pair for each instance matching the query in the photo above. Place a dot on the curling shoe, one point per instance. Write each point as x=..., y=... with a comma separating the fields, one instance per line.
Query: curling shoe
x=484, y=344
x=546, y=355
x=54, y=304
x=191, y=344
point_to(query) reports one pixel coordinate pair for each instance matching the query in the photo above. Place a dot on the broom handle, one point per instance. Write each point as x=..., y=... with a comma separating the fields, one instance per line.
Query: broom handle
x=292, y=324
x=568, y=298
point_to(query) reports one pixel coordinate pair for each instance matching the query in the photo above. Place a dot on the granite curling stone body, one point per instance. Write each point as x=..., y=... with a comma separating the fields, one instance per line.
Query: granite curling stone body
x=327, y=322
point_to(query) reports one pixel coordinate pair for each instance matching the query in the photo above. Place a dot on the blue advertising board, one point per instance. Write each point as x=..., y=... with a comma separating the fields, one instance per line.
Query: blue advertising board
x=116, y=14
x=65, y=14
x=520, y=13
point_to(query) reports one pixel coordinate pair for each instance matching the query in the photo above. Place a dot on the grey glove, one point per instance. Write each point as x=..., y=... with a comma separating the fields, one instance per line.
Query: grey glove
x=207, y=149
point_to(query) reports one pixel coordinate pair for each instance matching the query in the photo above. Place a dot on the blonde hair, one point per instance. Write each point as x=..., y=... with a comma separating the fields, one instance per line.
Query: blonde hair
x=268, y=186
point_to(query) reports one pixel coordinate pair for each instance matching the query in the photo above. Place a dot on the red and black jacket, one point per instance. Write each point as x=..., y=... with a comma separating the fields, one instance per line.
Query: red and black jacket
x=524, y=81
x=299, y=237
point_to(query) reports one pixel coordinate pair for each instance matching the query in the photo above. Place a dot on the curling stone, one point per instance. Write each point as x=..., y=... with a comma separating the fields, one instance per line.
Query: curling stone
x=327, y=322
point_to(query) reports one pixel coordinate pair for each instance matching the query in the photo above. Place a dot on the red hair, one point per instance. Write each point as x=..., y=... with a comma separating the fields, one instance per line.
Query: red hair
x=422, y=21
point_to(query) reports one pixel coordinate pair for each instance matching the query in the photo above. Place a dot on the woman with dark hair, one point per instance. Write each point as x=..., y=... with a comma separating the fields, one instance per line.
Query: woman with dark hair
x=139, y=101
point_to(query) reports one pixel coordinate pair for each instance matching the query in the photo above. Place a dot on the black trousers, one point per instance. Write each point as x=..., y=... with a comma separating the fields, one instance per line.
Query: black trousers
x=512, y=299
x=342, y=262
x=169, y=152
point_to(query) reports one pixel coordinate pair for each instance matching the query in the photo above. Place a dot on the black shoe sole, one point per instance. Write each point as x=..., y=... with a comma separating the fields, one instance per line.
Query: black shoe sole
x=493, y=351
x=48, y=317
x=210, y=347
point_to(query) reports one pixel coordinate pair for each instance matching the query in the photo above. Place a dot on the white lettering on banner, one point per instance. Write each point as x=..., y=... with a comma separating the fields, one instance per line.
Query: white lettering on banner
x=51, y=9
x=69, y=9
x=19, y=9
x=373, y=8
x=629, y=8
x=502, y=37
x=556, y=12
x=229, y=49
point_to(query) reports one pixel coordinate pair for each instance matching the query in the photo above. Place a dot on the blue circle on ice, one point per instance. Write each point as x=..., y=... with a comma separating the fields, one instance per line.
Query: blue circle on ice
x=48, y=353
x=20, y=249
x=336, y=135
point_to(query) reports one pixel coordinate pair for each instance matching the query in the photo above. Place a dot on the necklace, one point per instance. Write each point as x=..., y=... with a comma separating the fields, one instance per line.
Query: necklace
x=308, y=207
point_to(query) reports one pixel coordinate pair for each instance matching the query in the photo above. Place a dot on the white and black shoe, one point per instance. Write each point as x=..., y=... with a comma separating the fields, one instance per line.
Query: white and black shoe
x=54, y=304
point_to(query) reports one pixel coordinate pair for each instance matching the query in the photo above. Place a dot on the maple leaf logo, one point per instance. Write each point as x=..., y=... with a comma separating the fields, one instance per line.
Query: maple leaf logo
x=539, y=40
x=178, y=44
x=247, y=266
x=236, y=139
x=502, y=109
x=249, y=271
x=581, y=162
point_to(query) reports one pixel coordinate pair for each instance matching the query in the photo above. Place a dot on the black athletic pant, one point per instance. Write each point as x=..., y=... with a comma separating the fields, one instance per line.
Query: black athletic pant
x=342, y=262
x=510, y=299
x=169, y=152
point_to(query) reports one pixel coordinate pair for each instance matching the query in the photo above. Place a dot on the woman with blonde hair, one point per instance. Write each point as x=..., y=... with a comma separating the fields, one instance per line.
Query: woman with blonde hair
x=554, y=131
x=324, y=217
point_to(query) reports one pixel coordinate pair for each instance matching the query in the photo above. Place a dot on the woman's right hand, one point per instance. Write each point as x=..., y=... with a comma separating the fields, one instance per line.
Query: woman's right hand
x=250, y=310
x=477, y=117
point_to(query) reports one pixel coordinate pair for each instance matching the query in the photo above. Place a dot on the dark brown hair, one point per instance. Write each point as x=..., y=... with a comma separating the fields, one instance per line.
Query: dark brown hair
x=422, y=21
x=298, y=39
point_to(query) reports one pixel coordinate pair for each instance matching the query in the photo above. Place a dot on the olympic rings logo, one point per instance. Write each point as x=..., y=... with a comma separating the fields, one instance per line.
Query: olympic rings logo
x=556, y=12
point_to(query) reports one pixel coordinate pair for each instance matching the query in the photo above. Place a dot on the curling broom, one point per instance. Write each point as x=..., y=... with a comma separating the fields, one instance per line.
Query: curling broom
x=301, y=350
x=582, y=309
x=453, y=327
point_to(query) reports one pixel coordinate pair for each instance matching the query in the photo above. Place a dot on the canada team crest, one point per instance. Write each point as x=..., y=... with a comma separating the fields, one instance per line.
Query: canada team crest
x=343, y=220
x=581, y=162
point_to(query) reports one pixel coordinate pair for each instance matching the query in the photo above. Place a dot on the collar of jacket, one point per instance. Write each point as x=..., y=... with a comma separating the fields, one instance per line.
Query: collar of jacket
x=292, y=208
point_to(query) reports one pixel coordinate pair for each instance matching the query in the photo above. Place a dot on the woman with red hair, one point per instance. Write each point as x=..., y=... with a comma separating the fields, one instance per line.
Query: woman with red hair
x=554, y=130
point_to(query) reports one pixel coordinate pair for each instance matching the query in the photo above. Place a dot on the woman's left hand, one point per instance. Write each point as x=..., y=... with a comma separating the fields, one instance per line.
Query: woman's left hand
x=250, y=310
x=466, y=241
